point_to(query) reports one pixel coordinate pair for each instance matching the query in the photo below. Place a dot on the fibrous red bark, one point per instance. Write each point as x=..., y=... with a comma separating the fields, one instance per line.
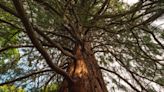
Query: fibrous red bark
x=85, y=73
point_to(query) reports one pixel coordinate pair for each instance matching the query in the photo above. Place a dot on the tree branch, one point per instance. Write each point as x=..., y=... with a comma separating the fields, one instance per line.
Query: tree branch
x=48, y=6
x=139, y=6
x=102, y=9
x=120, y=78
x=62, y=35
x=154, y=37
x=8, y=10
x=58, y=46
x=23, y=77
x=128, y=70
x=46, y=84
x=15, y=46
x=32, y=35
x=8, y=23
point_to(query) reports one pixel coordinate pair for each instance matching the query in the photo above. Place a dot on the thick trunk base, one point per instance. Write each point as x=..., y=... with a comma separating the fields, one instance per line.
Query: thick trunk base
x=85, y=73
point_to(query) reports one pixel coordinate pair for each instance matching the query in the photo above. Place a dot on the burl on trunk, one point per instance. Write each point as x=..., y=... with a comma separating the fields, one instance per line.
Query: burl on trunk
x=85, y=73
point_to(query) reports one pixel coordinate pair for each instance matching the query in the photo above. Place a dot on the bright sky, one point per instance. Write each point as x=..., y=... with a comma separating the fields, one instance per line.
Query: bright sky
x=130, y=2
x=159, y=22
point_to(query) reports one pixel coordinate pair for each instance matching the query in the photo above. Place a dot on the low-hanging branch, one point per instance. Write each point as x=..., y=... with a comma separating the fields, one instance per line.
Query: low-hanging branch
x=25, y=76
x=5, y=8
x=8, y=23
x=32, y=35
x=14, y=46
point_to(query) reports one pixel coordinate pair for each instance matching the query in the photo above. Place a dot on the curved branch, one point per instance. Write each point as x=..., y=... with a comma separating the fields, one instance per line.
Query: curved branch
x=154, y=37
x=120, y=78
x=102, y=9
x=147, y=78
x=28, y=46
x=58, y=46
x=48, y=81
x=48, y=6
x=23, y=77
x=5, y=8
x=8, y=23
x=15, y=46
x=62, y=35
x=132, y=75
x=32, y=35
x=139, y=6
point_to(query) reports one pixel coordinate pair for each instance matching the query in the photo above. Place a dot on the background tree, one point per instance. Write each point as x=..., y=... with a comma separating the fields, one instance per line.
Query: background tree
x=76, y=42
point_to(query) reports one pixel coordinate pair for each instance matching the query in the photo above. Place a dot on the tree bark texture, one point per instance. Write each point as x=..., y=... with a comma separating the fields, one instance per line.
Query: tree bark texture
x=85, y=73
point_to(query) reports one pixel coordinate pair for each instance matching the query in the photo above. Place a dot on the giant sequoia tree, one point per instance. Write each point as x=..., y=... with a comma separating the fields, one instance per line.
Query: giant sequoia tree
x=82, y=45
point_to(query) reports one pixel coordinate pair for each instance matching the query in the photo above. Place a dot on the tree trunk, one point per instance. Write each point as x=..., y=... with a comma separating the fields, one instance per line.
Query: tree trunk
x=85, y=73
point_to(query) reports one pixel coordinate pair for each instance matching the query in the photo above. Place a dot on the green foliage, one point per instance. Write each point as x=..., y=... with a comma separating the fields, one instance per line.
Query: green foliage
x=160, y=80
x=50, y=88
x=12, y=88
x=116, y=32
